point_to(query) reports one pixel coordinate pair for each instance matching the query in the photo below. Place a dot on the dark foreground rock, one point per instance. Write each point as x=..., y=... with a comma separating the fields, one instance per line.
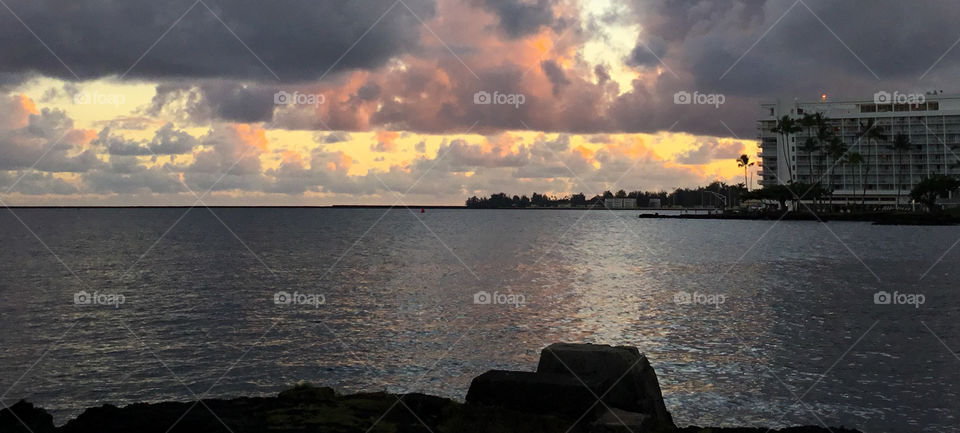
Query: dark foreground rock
x=558, y=394
x=576, y=389
x=599, y=384
x=24, y=417
x=804, y=429
x=627, y=379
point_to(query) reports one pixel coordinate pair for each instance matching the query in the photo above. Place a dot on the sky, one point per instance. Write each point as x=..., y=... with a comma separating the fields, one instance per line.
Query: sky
x=297, y=102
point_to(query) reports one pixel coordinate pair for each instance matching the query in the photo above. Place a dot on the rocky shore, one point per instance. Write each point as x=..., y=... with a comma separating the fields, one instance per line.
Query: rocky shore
x=576, y=388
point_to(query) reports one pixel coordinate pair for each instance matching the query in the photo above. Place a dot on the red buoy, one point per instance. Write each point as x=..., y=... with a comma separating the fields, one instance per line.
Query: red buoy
x=422, y=210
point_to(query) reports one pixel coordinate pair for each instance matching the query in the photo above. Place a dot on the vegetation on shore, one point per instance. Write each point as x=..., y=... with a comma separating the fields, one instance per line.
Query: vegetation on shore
x=716, y=194
x=812, y=192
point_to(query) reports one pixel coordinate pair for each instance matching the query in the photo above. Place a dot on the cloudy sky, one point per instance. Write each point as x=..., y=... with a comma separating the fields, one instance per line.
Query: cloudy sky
x=318, y=102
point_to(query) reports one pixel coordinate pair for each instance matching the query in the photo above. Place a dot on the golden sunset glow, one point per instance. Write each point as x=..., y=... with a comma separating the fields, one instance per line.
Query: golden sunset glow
x=411, y=121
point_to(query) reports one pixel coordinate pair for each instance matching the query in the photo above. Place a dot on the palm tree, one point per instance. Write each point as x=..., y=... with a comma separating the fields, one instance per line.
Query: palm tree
x=855, y=159
x=817, y=134
x=810, y=147
x=810, y=121
x=785, y=127
x=871, y=132
x=744, y=161
x=901, y=143
x=836, y=150
x=825, y=136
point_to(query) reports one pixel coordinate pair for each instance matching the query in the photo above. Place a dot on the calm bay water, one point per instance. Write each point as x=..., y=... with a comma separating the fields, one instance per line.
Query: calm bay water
x=798, y=320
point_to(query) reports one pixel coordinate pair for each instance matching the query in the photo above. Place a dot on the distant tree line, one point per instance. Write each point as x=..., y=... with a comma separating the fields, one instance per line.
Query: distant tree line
x=716, y=194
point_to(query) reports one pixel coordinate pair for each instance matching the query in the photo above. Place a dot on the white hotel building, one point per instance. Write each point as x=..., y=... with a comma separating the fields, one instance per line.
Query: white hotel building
x=932, y=126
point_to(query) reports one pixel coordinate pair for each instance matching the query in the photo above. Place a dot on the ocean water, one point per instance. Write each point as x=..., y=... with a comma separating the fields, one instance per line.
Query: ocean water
x=782, y=327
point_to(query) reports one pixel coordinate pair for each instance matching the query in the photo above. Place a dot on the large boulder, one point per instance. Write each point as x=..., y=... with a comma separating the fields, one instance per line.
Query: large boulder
x=26, y=418
x=628, y=380
x=558, y=394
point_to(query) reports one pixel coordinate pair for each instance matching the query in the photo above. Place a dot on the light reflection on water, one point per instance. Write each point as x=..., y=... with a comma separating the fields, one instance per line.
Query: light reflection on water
x=399, y=299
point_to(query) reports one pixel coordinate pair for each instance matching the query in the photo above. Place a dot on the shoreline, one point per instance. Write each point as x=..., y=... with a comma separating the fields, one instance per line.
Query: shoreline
x=305, y=408
x=576, y=388
x=875, y=218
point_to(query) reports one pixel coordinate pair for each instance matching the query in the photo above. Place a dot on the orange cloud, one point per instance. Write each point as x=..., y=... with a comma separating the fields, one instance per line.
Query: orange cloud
x=27, y=104
x=251, y=135
x=17, y=114
x=631, y=147
x=586, y=153
x=386, y=141
x=341, y=162
x=290, y=157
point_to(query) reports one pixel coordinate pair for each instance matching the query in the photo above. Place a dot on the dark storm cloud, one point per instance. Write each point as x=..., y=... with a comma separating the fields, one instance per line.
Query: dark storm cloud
x=214, y=100
x=170, y=141
x=648, y=53
x=125, y=175
x=555, y=74
x=297, y=39
x=120, y=146
x=167, y=140
x=753, y=50
x=709, y=149
x=368, y=92
x=761, y=47
x=520, y=18
x=13, y=79
x=47, y=143
x=34, y=183
x=239, y=103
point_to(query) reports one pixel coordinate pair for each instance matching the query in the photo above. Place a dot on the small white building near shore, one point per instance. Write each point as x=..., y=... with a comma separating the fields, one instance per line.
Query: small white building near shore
x=620, y=203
